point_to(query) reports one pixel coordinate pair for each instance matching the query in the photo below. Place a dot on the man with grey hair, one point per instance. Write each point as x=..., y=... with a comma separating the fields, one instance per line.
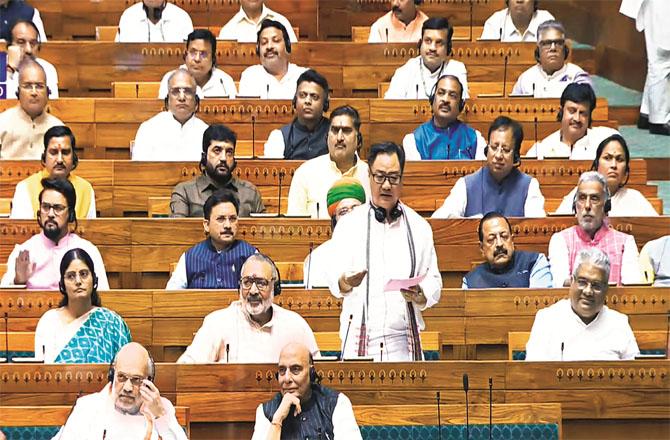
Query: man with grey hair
x=253, y=329
x=552, y=73
x=582, y=328
x=590, y=205
x=176, y=133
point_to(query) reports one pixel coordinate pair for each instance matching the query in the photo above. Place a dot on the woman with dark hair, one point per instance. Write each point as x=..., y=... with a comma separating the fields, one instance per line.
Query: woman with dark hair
x=80, y=330
x=613, y=161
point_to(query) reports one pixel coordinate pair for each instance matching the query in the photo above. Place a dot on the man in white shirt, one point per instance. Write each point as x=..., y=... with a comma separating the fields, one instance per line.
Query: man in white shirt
x=154, y=21
x=200, y=61
x=417, y=77
x=312, y=180
x=582, y=328
x=549, y=77
x=575, y=139
x=26, y=43
x=402, y=24
x=499, y=185
x=517, y=22
x=128, y=407
x=303, y=408
x=244, y=25
x=253, y=329
x=377, y=242
x=174, y=134
x=276, y=77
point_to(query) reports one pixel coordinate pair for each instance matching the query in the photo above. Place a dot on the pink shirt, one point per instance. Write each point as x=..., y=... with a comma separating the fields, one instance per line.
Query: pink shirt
x=398, y=32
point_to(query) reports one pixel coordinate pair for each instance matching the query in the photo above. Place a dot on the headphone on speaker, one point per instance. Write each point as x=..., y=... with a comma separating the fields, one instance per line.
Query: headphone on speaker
x=431, y=98
x=111, y=372
x=380, y=213
x=516, y=158
x=277, y=25
x=158, y=12
x=326, y=100
x=314, y=378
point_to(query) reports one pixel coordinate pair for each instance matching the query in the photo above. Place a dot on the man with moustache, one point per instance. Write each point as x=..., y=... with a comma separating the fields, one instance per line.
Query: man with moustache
x=575, y=139
x=582, y=328
x=253, y=329
x=244, y=25
x=417, y=77
x=130, y=405
x=591, y=204
x=505, y=266
x=154, y=21
x=517, y=22
x=499, y=185
x=217, y=163
x=444, y=136
x=174, y=134
x=59, y=160
x=276, y=77
x=36, y=262
x=214, y=263
x=402, y=24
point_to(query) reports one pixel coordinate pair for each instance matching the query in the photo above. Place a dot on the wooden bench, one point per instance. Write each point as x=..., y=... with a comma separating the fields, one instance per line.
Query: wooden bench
x=360, y=34
x=108, y=33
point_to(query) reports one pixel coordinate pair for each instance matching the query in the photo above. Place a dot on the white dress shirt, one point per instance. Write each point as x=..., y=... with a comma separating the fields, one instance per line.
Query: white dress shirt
x=52, y=80
x=173, y=27
x=584, y=149
x=94, y=416
x=457, y=200
x=500, y=27
x=256, y=81
x=312, y=180
x=344, y=422
x=412, y=153
x=220, y=85
x=390, y=258
x=413, y=80
x=245, y=30
x=607, y=337
x=317, y=264
x=626, y=202
x=229, y=335
x=163, y=138
x=535, y=81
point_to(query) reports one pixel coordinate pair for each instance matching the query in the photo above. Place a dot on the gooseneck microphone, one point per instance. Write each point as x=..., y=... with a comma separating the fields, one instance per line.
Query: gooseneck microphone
x=253, y=136
x=281, y=181
x=309, y=265
x=439, y=416
x=505, y=77
x=470, y=39
x=466, y=387
x=562, y=348
x=227, y=353
x=490, y=408
x=381, y=352
x=7, y=360
x=535, y=134
x=387, y=35
x=346, y=336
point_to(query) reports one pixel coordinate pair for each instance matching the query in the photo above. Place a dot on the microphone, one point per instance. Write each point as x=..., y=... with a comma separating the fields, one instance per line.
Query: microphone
x=137, y=90
x=501, y=32
x=7, y=360
x=253, y=136
x=227, y=353
x=317, y=209
x=70, y=413
x=281, y=179
x=535, y=132
x=490, y=408
x=439, y=417
x=533, y=94
x=225, y=93
x=466, y=387
x=417, y=91
x=309, y=265
x=620, y=283
x=387, y=35
x=267, y=91
x=562, y=347
x=470, y=39
x=381, y=352
x=505, y=78
x=346, y=336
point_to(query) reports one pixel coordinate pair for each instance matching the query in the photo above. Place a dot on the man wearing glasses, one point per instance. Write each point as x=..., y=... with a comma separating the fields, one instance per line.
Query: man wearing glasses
x=176, y=133
x=313, y=179
x=552, y=73
x=253, y=329
x=499, y=185
x=130, y=406
x=591, y=205
x=377, y=242
x=582, y=328
x=200, y=61
x=35, y=263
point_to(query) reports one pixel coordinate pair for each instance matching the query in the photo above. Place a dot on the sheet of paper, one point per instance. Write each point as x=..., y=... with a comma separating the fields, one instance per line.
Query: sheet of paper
x=395, y=285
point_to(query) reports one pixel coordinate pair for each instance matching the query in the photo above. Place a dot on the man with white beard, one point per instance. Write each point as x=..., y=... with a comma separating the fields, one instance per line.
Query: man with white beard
x=253, y=329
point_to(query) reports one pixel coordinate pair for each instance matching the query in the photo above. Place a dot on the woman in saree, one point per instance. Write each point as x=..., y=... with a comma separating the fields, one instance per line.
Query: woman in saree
x=80, y=330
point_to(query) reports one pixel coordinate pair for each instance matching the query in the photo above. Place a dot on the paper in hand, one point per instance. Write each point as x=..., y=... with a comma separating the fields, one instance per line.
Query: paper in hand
x=395, y=285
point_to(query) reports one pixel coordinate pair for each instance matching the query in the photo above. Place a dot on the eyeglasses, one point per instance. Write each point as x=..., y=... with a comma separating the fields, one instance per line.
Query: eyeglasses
x=135, y=381
x=504, y=149
x=28, y=87
x=379, y=178
x=195, y=53
x=261, y=283
x=72, y=276
x=595, y=286
x=546, y=44
x=176, y=92
x=58, y=209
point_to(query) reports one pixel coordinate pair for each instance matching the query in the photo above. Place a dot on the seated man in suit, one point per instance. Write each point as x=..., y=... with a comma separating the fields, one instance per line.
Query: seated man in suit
x=505, y=266
x=59, y=159
x=402, y=24
x=303, y=408
x=582, y=328
x=499, y=185
x=244, y=25
x=214, y=263
x=444, y=136
x=253, y=329
x=154, y=21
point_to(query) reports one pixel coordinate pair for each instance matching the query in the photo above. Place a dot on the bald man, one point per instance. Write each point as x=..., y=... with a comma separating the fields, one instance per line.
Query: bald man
x=128, y=407
x=303, y=408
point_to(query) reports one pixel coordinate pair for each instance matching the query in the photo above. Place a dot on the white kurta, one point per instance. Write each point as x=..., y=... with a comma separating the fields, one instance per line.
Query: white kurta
x=390, y=258
x=500, y=26
x=607, y=337
x=584, y=149
x=220, y=85
x=536, y=82
x=163, y=138
x=627, y=202
x=246, y=341
x=413, y=80
x=256, y=81
x=95, y=417
x=245, y=30
x=316, y=266
x=173, y=27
